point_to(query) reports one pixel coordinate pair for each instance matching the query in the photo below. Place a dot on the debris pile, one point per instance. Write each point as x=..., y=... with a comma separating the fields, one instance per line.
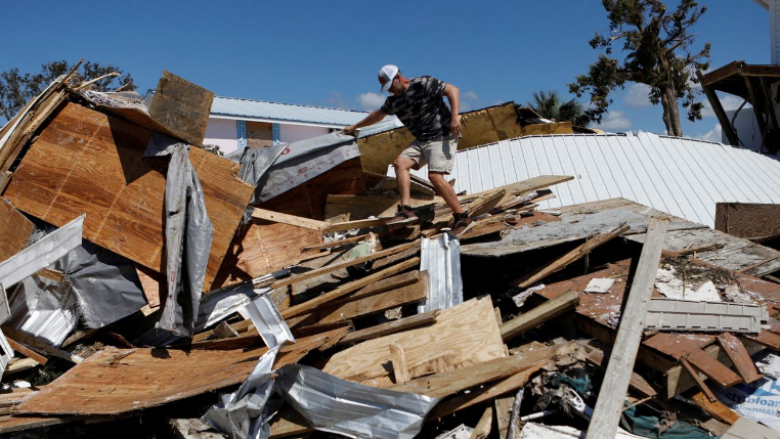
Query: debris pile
x=152, y=288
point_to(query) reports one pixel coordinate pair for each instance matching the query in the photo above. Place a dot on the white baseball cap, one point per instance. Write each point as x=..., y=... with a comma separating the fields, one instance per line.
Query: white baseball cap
x=386, y=75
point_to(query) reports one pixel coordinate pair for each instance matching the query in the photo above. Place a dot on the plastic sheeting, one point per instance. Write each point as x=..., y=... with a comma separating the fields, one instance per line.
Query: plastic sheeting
x=188, y=237
x=42, y=253
x=255, y=163
x=440, y=257
x=105, y=283
x=303, y=160
x=759, y=400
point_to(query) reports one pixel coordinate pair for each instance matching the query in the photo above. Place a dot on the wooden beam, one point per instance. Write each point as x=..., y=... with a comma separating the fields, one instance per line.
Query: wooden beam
x=331, y=268
x=345, y=241
x=716, y=409
x=357, y=224
x=503, y=414
x=637, y=383
x=311, y=305
x=714, y=369
x=482, y=430
x=27, y=352
x=400, y=369
x=717, y=108
x=609, y=405
x=740, y=357
x=391, y=327
x=40, y=344
x=588, y=246
x=542, y=313
x=279, y=217
x=695, y=375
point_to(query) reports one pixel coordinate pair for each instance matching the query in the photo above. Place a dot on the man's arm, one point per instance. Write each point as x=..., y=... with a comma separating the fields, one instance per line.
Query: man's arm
x=453, y=95
x=373, y=117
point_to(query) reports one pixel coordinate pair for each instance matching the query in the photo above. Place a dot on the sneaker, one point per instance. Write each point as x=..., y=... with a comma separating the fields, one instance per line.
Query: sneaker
x=461, y=223
x=405, y=215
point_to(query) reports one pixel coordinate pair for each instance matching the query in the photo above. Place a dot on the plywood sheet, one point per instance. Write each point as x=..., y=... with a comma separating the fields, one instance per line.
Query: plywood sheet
x=264, y=247
x=539, y=129
x=87, y=162
x=115, y=381
x=15, y=230
x=466, y=334
x=749, y=221
x=182, y=107
x=308, y=199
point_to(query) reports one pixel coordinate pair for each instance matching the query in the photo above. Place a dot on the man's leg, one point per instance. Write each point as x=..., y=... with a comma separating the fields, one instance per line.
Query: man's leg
x=402, y=166
x=445, y=190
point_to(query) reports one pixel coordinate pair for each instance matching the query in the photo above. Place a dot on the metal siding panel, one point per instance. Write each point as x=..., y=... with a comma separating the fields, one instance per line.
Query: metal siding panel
x=642, y=184
x=624, y=187
x=762, y=167
x=603, y=182
x=648, y=158
x=685, y=178
x=754, y=182
x=719, y=167
x=570, y=166
x=741, y=185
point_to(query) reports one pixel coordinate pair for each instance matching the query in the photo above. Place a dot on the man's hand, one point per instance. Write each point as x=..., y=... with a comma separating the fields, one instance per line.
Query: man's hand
x=350, y=130
x=455, y=127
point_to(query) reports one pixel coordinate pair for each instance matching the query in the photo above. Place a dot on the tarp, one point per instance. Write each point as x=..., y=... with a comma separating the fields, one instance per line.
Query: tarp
x=759, y=401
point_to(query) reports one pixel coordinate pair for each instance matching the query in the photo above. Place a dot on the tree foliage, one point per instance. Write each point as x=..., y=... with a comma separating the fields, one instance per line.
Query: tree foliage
x=16, y=89
x=657, y=52
x=549, y=105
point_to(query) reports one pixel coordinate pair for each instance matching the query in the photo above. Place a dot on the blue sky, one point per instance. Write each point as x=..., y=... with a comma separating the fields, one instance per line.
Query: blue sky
x=328, y=52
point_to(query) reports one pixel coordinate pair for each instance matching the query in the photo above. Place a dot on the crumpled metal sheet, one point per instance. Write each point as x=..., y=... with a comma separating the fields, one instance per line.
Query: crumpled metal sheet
x=219, y=305
x=440, y=257
x=44, y=309
x=338, y=406
x=303, y=160
x=5, y=313
x=246, y=412
x=105, y=283
x=255, y=163
x=42, y=253
x=186, y=213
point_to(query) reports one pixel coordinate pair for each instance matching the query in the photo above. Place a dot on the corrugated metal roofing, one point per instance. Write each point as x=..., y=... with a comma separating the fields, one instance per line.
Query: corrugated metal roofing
x=684, y=177
x=279, y=112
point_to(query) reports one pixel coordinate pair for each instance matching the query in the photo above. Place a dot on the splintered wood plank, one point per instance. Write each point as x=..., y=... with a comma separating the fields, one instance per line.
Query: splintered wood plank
x=151, y=282
x=542, y=313
x=15, y=230
x=740, y=357
x=468, y=333
x=278, y=217
x=714, y=369
x=609, y=406
x=716, y=409
x=398, y=359
x=88, y=162
x=482, y=430
x=115, y=381
x=695, y=375
x=371, y=304
x=264, y=247
x=392, y=327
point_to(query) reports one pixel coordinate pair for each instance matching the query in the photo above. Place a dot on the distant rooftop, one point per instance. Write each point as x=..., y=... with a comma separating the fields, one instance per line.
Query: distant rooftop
x=264, y=111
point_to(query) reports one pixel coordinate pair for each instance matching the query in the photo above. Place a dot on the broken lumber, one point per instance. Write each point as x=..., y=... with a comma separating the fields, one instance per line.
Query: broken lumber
x=278, y=217
x=542, y=313
x=392, y=327
x=398, y=360
x=714, y=369
x=740, y=357
x=588, y=246
x=704, y=388
x=609, y=405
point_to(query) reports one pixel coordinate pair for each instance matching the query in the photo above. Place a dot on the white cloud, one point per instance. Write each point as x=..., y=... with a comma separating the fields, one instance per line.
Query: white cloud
x=470, y=100
x=637, y=96
x=729, y=103
x=615, y=121
x=370, y=100
x=471, y=95
x=713, y=135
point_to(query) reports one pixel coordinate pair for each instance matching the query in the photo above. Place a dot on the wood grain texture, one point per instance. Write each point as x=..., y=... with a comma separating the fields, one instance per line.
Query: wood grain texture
x=392, y=327
x=87, y=162
x=115, y=381
x=308, y=199
x=15, y=230
x=542, y=313
x=182, y=107
x=740, y=357
x=609, y=406
x=468, y=333
x=714, y=369
x=756, y=222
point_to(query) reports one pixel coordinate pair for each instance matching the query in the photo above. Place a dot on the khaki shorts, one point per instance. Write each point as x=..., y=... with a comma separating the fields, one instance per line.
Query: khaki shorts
x=439, y=155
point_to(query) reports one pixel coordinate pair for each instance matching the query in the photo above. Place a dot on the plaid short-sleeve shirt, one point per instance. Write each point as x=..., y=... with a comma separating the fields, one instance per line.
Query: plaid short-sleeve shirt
x=421, y=108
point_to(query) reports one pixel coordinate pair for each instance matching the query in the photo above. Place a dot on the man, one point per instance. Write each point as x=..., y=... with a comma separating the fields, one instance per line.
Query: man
x=419, y=104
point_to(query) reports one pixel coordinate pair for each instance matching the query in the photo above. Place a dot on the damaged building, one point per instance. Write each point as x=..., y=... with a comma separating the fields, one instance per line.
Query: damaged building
x=612, y=286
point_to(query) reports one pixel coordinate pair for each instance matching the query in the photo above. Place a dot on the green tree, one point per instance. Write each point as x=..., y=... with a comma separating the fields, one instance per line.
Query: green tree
x=549, y=105
x=16, y=89
x=657, y=52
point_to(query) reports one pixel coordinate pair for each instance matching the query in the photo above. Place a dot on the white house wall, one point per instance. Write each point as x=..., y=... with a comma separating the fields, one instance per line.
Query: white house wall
x=223, y=133
x=294, y=133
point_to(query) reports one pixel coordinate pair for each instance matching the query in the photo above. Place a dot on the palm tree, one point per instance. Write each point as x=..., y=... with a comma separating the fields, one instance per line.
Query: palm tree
x=549, y=105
